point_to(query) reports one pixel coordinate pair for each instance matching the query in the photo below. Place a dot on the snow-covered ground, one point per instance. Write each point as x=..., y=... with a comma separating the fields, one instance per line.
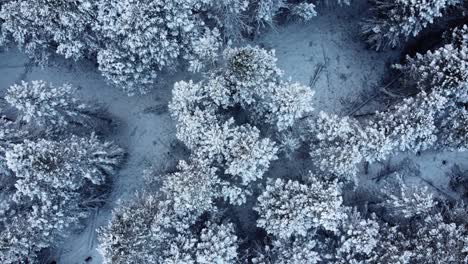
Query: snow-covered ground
x=328, y=54
x=325, y=53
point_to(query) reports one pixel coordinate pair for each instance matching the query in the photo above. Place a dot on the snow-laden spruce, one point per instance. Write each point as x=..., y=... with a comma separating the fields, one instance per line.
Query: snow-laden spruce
x=46, y=105
x=144, y=230
x=340, y=144
x=357, y=238
x=134, y=42
x=408, y=201
x=395, y=21
x=135, y=51
x=192, y=190
x=250, y=80
x=72, y=163
x=51, y=176
x=55, y=181
x=301, y=250
x=40, y=27
x=133, y=235
x=206, y=122
x=445, y=67
x=291, y=208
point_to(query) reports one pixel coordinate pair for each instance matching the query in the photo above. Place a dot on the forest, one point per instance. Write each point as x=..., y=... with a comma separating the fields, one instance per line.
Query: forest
x=233, y=131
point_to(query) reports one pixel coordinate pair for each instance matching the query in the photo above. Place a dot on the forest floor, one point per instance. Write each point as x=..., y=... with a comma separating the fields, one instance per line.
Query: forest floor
x=326, y=53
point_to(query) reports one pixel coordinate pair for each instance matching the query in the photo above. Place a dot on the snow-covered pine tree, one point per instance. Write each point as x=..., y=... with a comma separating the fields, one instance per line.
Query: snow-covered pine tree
x=192, y=190
x=31, y=224
x=352, y=239
x=430, y=240
x=305, y=11
x=239, y=152
x=246, y=68
x=412, y=123
x=230, y=17
x=55, y=181
x=439, y=241
x=392, y=246
x=48, y=106
x=10, y=133
x=340, y=144
x=40, y=27
x=416, y=231
x=70, y=164
x=217, y=243
x=408, y=202
x=253, y=80
x=144, y=230
x=134, y=233
x=356, y=240
x=300, y=250
x=247, y=156
x=264, y=12
x=445, y=67
x=452, y=130
x=394, y=21
x=136, y=50
x=458, y=37
x=289, y=208
x=444, y=70
x=250, y=80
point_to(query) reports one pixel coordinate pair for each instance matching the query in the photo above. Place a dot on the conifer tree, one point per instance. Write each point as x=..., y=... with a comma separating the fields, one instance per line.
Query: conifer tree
x=291, y=209
x=396, y=21
x=42, y=27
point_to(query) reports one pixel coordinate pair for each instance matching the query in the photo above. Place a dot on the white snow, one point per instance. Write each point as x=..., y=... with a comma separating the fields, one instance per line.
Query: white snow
x=329, y=42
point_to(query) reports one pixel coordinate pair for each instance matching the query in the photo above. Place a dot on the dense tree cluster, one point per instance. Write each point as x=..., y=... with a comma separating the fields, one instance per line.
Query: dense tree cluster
x=252, y=81
x=431, y=119
x=147, y=230
x=373, y=239
x=237, y=120
x=227, y=158
x=221, y=120
x=134, y=41
x=50, y=178
x=291, y=208
x=395, y=21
